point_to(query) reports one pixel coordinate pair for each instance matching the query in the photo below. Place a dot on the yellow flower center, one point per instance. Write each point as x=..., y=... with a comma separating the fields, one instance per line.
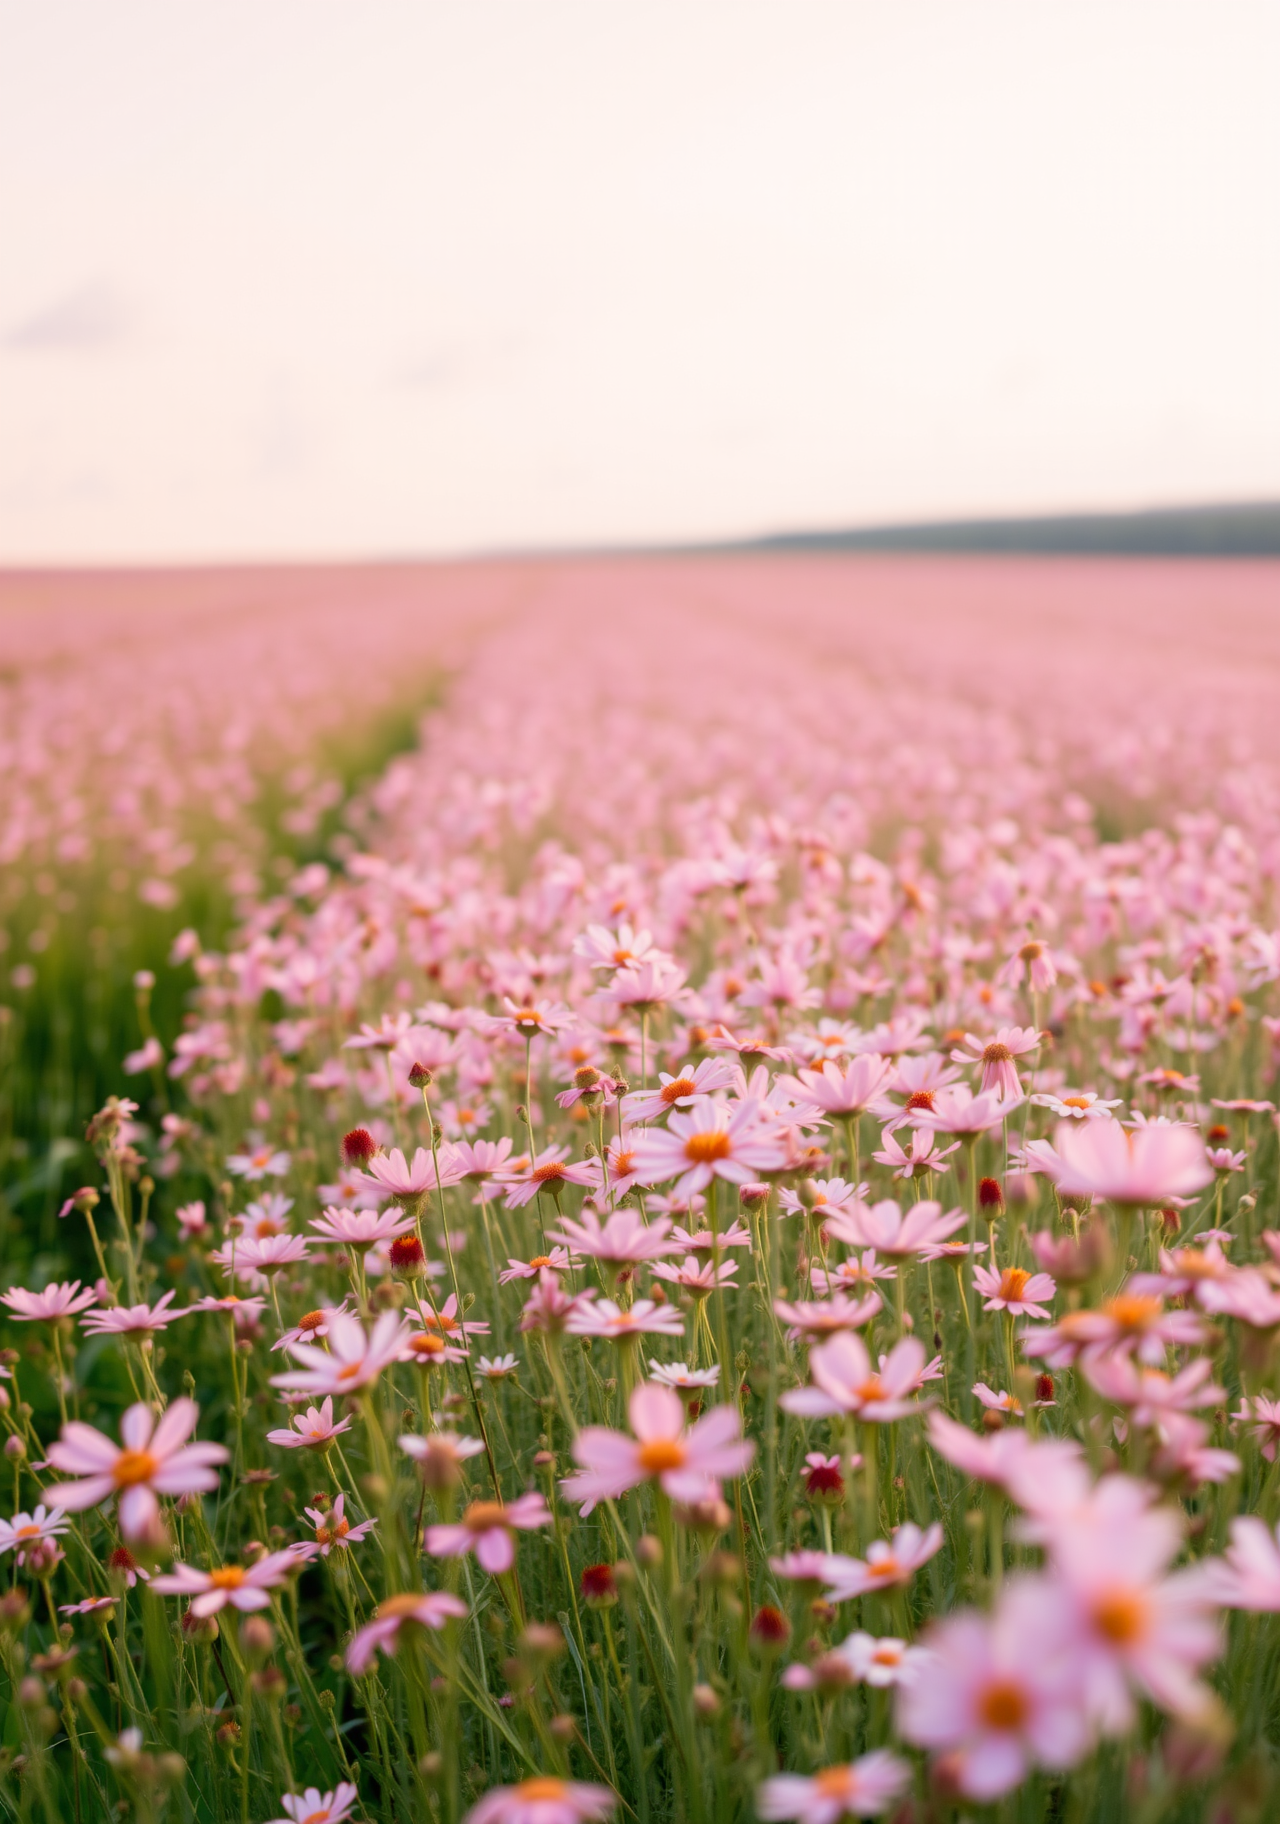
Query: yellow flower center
x=426, y=1344
x=1013, y=1283
x=706, y=1148
x=1131, y=1311
x=1076, y=1102
x=997, y=1054
x=229, y=1577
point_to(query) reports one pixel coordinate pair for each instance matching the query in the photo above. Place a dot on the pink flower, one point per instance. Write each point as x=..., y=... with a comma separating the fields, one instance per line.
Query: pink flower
x=1263, y=1418
x=845, y=1381
x=843, y=1092
x=999, y=1695
x=862, y=1789
x=544, y=1800
x=688, y=1464
x=956, y=1110
x=310, y=1326
x=699, y=1277
x=605, y=949
x=262, y=1162
x=550, y=1171
x=132, y=1320
x=479, y=1159
x=55, y=1301
x=884, y=1227
x=1248, y=1576
x=1077, y=1105
x=680, y=1091
x=887, y=1563
x=1149, y=1393
x=446, y=1320
x=557, y=1261
x=827, y=1317
x=353, y=1360
x=26, y=1531
x=155, y=1459
x=996, y=1056
x=250, y=1257
x=487, y=1529
x=243, y=1587
x=1014, y=1290
x=361, y=1228
x=602, y=1317
x=647, y=984
x=1031, y=959
x=333, y=1527
x=531, y=1019
x=549, y=1308
x=622, y=1240
x=708, y=1141
x=1006, y=1459
x=316, y=1807
x=313, y=1430
x=1133, y=1323
x=925, y=1154
x=396, y=1175
x=823, y=1196
x=423, y=1609
x=1142, y=1167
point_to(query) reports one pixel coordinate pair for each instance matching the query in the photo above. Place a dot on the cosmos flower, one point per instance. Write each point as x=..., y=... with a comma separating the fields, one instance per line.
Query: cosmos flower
x=488, y=1529
x=353, y=1359
x=688, y=1463
x=844, y=1380
x=864, y=1788
x=360, y=1228
x=262, y=1162
x=887, y=1564
x=544, y=1799
x=132, y=1320
x=315, y=1807
x=432, y=1609
x=1014, y=1290
x=679, y=1091
x=886, y=1228
x=710, y=1140
x=57, y=1300
x=240, y=1586
x=313, y=1429
x=602, y=1317
x=334, y=1529
x=153, y=1459
x=24, y=1531
x=996, y=1056
x=1141, y=1167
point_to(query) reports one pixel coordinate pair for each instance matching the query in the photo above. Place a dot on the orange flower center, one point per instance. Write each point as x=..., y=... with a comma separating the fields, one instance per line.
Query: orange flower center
x=540, y=1260
x=527, y=1016
x=26, y=1532
x=997, y=1054
x=542, y=1788
x=682, y=1086
x=832, y=1782
x=1131, y=1311
x=132, y=1467
x=349, y=1371
x=871, y=1389
x=660, y=1454
x=883, y=1567
x=706, y=1148
x=311, y=1320
x=425, y=1344
x=1075, y=1102
x=1029, y=952
x=1120, y=1617
x=1013, y=1283
x=398, y=1607
x=229, y=1577
x=1003, y=1705
x=622, y=1164
x=482, y=1515
x=543, y=1174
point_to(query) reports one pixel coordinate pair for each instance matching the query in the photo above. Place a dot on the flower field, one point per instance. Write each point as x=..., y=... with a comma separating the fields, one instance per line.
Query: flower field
x=641, y=1191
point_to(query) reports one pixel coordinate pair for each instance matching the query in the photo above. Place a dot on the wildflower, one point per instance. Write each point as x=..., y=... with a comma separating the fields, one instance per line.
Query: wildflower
x=1248, y=1576
x=704, y=1242
x=999, y=1695
x=533, y=1019
x=1134, y=1323
x=679, y=1091
x=884, y=1227
x=828, y=1317
x=1014, y=1290
x=1149, y=1393
x=688, y=1464
x=683, y=1378
x=132, y=1320
x=446, y=1319
x=250, y=1258
x=424, y=1609
x=845, y=1381
x=605, y=949
x=316, y=1807
x=333, y=1527
x=709, y=1141
x=887, y=1563
x=440, y=1455
x=862, y=1789
x=91, y=1605
x=1003, y=1402
x=822, y=1197
x=312, y=1430
x=544, y=1800
x=262, y=1162
x=360, y=1228
x=550, y=1171
x=487, y=1529
x=697, y=1277
x=353, y=1360
x=602, y=1317
x=622, y=1240
x=244, y=1587
x=1006, y=1459
x=58, y=1300
x=311, y=1326
x=822, y=1478
x=1262, y=1415
x=549, y=1309
x=408, y=1181
x=1145, y=1166
x=24, y=1531
x=957, y=1110
x=996, y=1056
x=193, y=1221
x=1033, y=961
x=808, y=1569
x=557, y=1261
x=648, y=983
x=1077, y=1105
x=845, y=1093
x=497, y=1368
x=925, y=1154
x=154, y=1459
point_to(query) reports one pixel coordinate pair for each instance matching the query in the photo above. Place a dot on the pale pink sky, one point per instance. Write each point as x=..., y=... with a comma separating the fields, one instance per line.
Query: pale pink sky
x=303, y=277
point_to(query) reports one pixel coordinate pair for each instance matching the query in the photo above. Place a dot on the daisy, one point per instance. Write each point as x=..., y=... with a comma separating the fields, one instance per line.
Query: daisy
x=843, y=1380
x=887, y=1564
x=1262, y=1415
x=422, y=1609
x=861, y=1789
x=91, y=1605
x=860, y=1271
x=132, y=1320
x=688, y=1464
x=605, y=949
x=26, y=1530
x=957, y=1110
x=549, y=1171
x=1149, y=1393
x=476, y=1160
x=241, y=1586
x=409, y=1181
x=1014, y=1290
x=446, y=1320
x=1248, y=1576
x=352, y=1190
x=826, y=1317
x=316, y=1807
x=624, y=1239
x=333, y=1527
x=621, y=1170
x=884, y=1227
x=1004, y=1402
x=533, y=1019
x=679, y=1091
x=823, y=1197
x=996, y=1056
x=1133, y=1323
x=353, y=1360
x=252, y=1259
x=262, y=1162
x=440, y=1455
x=154, y=1459
x=557, y=1261
x=1078, y=1105
x=710, y=1140
x=1139, y=1167
x=704, y=1242
x=602, y=1317
x=843, y=1092
x=544, y=1800
x=696, y=1276
x=313, y=1429
x=360, y=1228
x=683, y=1378
x=311, y=1326
x=58, y=1300
x=925, y=1154
x=487, y=1528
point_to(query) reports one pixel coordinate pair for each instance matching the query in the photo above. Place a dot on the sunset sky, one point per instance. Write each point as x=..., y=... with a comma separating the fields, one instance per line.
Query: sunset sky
x=298, y=278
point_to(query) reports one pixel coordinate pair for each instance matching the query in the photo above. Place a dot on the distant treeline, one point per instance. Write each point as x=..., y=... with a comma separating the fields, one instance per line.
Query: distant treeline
x=1247, y=530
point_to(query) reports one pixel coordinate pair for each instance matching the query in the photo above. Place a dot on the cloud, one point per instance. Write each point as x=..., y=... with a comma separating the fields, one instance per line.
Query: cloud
x=91, y=318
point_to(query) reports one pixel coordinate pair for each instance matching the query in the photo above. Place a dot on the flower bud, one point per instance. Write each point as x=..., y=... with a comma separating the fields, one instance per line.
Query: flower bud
x=990, y=1198
x=14, y=1448
x=599, y=1586
x=420, y=1077
x=358, y=1146
x=649, y=1551
x=407, y=1258
x=770, y=1631
x=705, y=1701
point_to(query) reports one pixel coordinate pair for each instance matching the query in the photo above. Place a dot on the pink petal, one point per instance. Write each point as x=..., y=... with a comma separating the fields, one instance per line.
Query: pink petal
x=137, y=1425
x=175, y=1427
x=655, y=1412
x=494, y=1551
